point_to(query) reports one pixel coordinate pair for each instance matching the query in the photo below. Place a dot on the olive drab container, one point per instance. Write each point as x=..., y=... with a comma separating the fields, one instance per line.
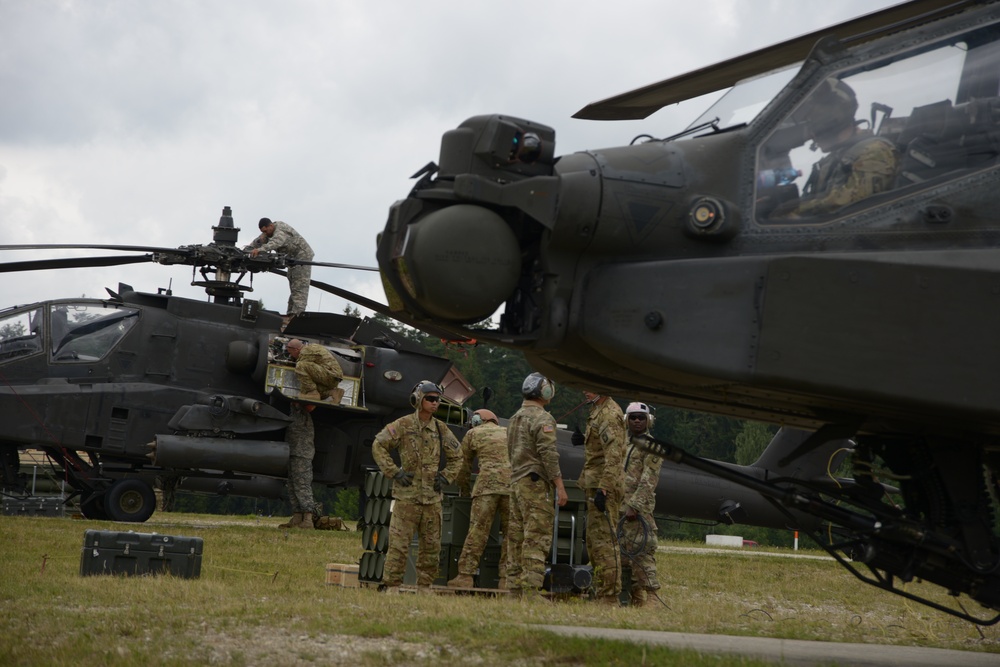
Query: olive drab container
x=129, y=553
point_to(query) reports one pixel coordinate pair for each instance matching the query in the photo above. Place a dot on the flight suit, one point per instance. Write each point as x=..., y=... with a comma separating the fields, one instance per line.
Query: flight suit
x=418, y=506
x=317, y=370
x=491, y=494
x=604, y=455
x=642, y=473
x=534, y=462
x=286, y=241
x=863, y=166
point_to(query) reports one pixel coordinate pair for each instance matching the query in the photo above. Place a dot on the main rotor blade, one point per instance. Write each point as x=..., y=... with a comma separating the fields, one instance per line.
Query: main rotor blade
x=379, y=308
x=72, y=263
x=353, y=267
x=75, y=246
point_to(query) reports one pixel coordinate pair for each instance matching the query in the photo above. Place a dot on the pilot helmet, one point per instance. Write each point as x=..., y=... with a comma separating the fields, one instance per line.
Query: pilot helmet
x=640, y=408
x=480, y=417
x=830, y=108
x=537, y=385
x=421, y=389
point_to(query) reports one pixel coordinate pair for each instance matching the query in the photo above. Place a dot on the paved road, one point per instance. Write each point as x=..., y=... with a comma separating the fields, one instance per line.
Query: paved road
x=791, y=651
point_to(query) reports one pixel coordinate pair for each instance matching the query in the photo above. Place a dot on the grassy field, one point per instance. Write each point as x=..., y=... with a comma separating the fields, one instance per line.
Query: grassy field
x=262, y=600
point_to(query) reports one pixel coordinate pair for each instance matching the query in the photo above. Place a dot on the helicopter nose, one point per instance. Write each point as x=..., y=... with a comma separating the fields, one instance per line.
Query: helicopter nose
x=460, y=262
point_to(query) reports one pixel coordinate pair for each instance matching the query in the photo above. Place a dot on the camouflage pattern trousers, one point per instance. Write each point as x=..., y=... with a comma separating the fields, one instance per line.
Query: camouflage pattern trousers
x=602, y=545
x=311, y=375
x=532, y=515
x=298, y=286
x=408, y=518
x=301, y=450
x=484, y=508
x=638, y=542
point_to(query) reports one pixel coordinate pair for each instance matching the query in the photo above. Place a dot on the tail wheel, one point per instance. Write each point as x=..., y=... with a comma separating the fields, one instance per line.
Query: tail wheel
x=130, y=500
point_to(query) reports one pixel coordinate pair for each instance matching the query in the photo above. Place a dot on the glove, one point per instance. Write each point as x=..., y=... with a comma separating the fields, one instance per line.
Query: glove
x=439, y=482
x=403, y=478
x=601, y=501
x=577, y=438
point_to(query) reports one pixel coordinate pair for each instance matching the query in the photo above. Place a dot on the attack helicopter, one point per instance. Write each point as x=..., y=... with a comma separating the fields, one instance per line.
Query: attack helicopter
x=121, y=391
x=715, y=270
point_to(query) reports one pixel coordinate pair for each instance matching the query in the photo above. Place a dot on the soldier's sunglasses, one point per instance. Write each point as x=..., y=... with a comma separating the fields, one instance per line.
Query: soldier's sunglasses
x=638, y=418
x=433, y=399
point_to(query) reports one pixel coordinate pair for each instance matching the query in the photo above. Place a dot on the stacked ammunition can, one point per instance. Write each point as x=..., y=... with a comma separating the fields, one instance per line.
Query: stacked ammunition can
x=375, y=531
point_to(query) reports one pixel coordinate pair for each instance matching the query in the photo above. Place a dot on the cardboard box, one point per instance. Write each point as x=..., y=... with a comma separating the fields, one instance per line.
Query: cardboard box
x=340, y=574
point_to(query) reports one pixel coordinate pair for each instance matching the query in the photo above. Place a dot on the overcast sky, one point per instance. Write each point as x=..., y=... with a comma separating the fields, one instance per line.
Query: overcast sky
x=134, y=122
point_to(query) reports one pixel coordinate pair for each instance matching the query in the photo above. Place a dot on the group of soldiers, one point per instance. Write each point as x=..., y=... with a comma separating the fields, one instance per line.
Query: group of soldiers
x=520, y=479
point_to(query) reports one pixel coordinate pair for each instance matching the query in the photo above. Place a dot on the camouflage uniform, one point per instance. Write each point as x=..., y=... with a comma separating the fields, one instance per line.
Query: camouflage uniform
x=491, y=494
x=286, y=241
x=418, y=506
x=604, y=455
x=317, y=370
x=858, y=168
x=301, y=450
x=534, y=459
x=642, y=473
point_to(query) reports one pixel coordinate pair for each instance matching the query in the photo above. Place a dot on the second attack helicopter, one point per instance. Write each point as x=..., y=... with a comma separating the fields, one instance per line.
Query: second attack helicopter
x=820, y=249
x=124, y=390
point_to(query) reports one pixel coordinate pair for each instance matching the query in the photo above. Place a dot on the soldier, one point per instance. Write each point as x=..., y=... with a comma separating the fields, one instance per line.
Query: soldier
x=487, y=441
x=603, y=479
x=318, y=371
x=642, y=473
x=282, y=238
x=857, y=164
x=319, y=374
x=420, y=439
x=535, y=473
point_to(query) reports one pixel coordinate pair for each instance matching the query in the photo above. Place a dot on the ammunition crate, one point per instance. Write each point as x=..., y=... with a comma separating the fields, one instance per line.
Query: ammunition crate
x=128, y=553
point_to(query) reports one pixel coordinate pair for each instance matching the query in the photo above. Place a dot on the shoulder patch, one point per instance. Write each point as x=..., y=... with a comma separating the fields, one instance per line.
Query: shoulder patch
x=548, y=428
x=391, y=429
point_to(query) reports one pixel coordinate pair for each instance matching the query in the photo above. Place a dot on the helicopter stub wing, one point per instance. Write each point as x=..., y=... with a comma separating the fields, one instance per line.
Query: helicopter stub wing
x=643, y=102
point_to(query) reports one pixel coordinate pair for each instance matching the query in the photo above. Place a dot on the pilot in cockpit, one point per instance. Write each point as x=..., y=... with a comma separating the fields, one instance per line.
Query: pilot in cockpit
x=856, y=165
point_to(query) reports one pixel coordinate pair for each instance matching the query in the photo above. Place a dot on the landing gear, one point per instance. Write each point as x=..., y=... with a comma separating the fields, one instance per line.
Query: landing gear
x=93, y=508
x=129, y=500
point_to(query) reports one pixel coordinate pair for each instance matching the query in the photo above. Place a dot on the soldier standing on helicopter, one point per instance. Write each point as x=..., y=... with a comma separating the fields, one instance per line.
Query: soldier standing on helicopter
x=280, y=237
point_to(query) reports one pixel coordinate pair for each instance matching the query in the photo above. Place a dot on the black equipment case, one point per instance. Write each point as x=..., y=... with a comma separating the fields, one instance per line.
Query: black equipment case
x=113, y=552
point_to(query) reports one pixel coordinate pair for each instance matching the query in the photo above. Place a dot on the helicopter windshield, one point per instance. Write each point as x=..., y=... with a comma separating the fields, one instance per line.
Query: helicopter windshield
x=744, y=101
x=20, y=334
x=87, y=332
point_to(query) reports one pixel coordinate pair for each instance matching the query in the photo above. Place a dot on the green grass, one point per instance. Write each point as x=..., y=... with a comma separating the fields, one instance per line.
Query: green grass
x=261, y=600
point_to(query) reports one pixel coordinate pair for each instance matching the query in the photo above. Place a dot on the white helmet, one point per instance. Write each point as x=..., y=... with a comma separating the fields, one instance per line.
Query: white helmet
x=640, y=408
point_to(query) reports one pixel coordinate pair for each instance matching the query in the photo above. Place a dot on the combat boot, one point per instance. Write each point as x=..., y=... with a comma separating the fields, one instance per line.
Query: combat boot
x=310, y=396
x=308, y=521
x=293, y=522
x=639, y=598
x=502, y=584
x=461, y=581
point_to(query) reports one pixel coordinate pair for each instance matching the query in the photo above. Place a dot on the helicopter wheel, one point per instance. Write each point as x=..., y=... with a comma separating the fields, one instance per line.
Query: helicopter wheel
x=94, y=509
x=130, y=500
